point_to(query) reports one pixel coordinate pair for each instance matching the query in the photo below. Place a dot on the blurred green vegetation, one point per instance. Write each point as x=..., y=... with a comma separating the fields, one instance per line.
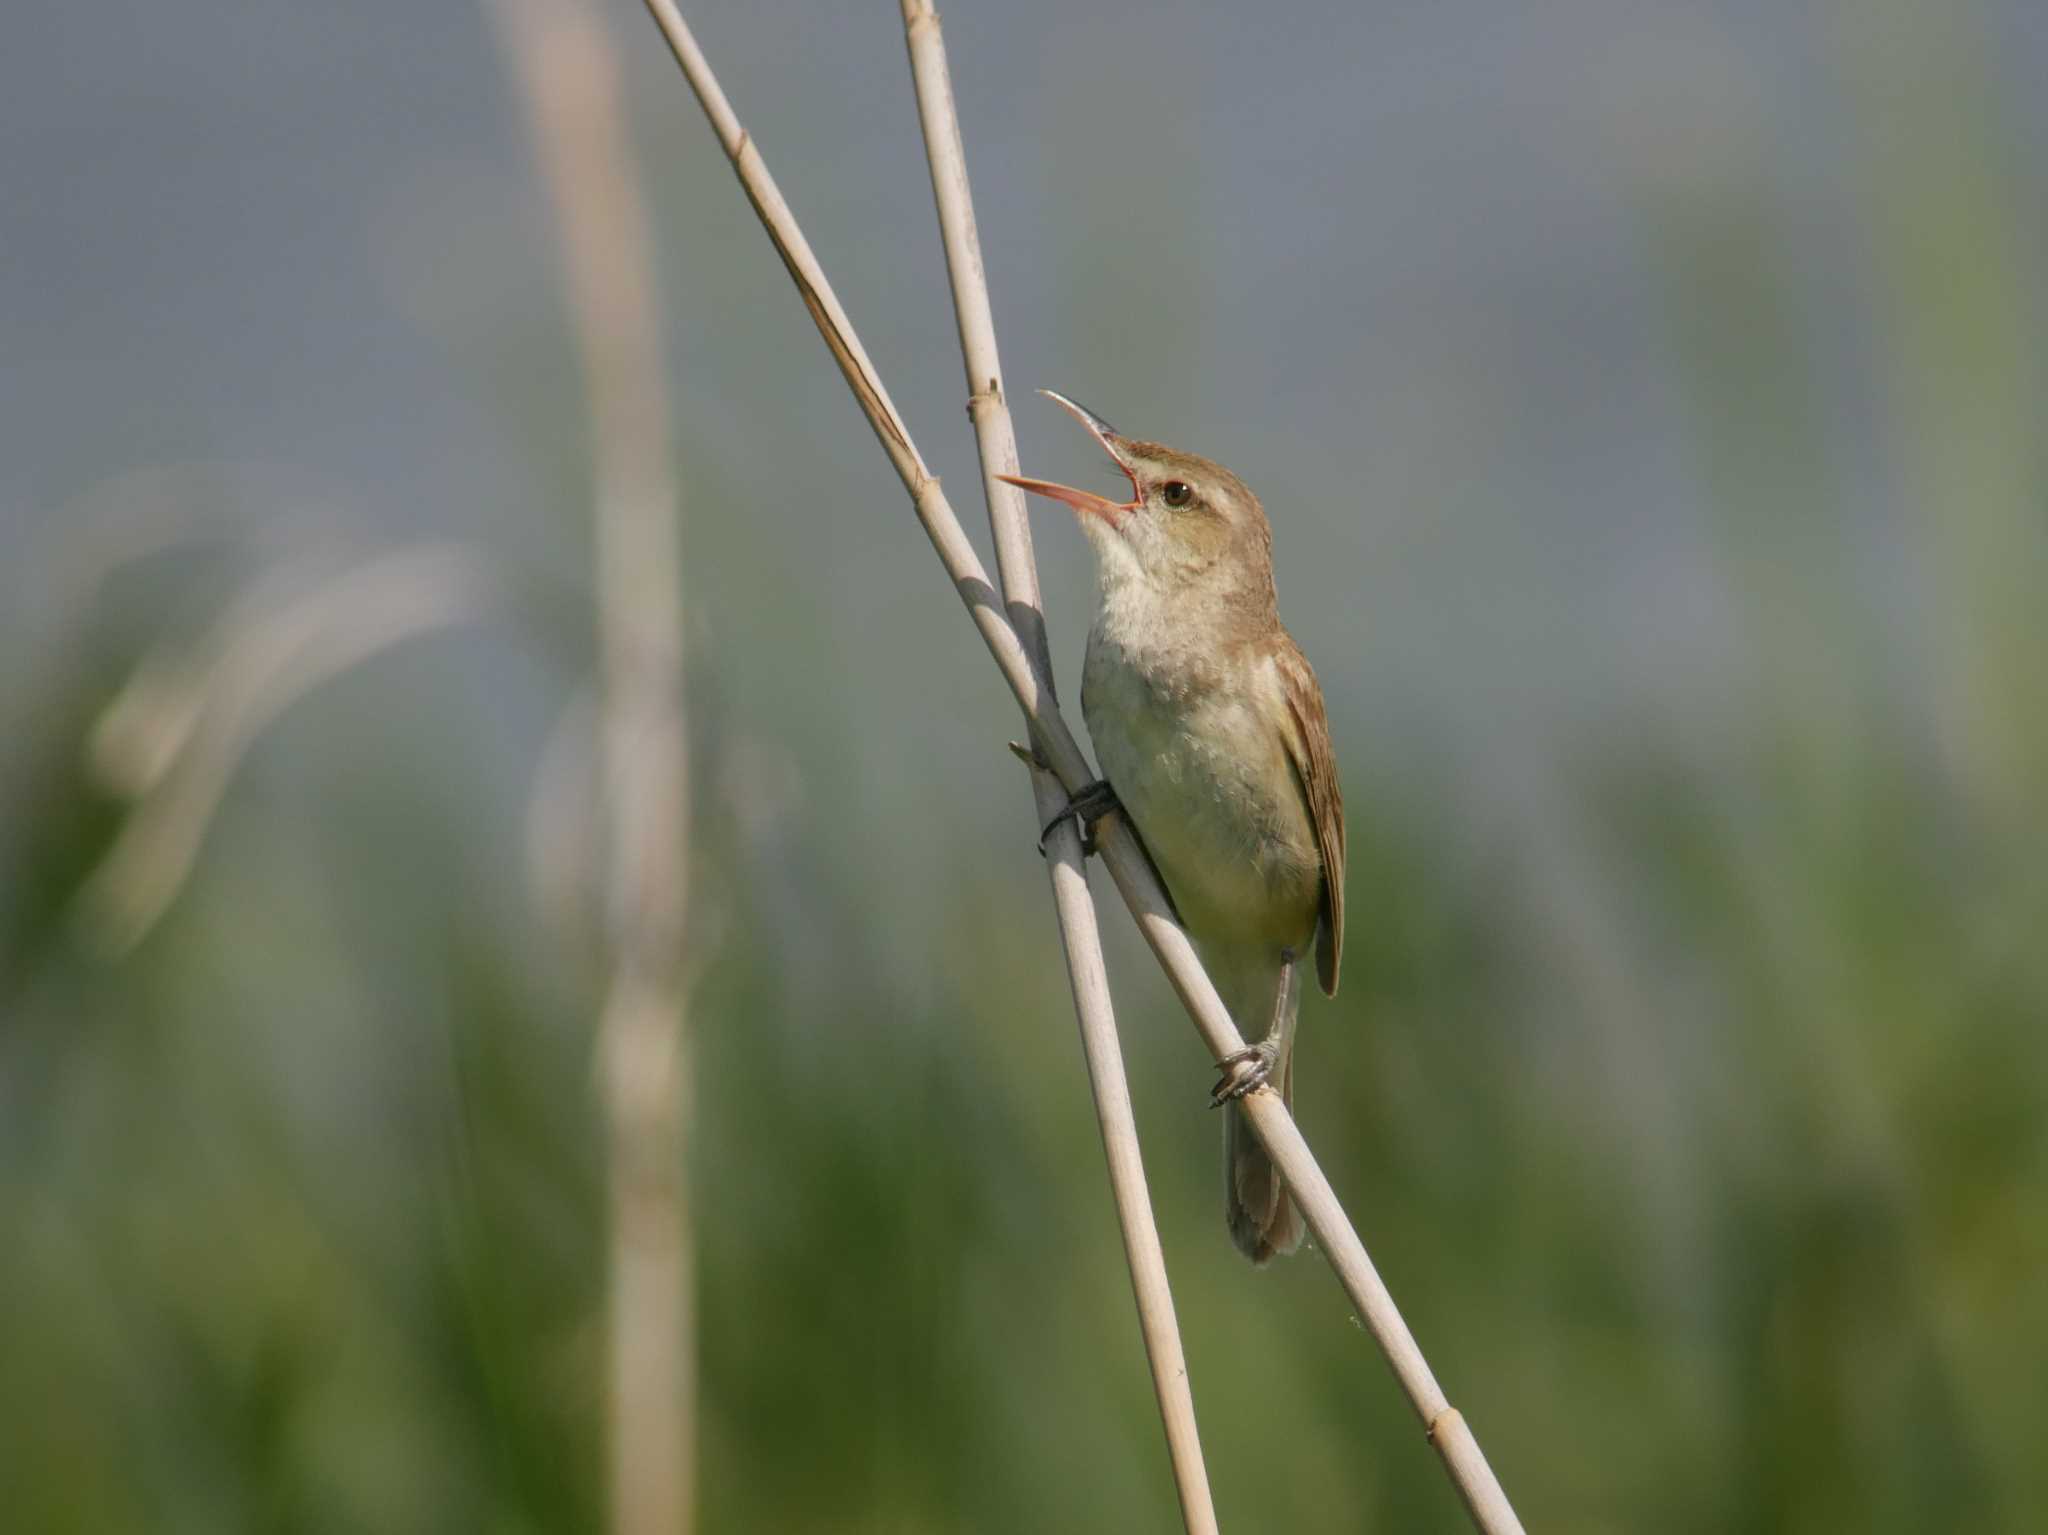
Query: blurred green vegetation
x=1690, y=1096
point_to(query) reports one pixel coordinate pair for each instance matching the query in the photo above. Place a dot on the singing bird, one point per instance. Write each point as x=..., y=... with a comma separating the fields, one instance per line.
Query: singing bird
x=1210, y=732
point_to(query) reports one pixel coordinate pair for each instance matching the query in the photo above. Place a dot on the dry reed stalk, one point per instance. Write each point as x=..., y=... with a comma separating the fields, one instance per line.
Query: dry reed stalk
x=570, y=71
x=174, y=736
x=1125, y=859
x=1010, y=524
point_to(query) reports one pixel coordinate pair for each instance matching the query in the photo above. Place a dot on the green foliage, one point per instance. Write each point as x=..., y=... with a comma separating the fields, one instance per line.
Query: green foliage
x=1687, y=1080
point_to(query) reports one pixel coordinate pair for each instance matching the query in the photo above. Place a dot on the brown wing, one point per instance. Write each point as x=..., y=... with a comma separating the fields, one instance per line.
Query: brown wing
x=1315, y=764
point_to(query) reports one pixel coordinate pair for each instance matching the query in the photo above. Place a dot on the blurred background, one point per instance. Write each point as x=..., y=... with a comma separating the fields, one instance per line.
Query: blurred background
x=1648, y=399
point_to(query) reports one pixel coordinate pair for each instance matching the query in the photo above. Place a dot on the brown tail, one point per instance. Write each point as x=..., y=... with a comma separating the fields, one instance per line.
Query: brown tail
x=1263, y=1219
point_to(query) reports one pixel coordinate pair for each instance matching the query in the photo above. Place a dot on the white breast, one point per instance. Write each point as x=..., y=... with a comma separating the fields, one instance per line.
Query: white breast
x=1204, y=773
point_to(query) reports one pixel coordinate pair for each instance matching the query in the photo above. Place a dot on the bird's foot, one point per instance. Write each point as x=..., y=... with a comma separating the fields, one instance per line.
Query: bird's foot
x=1249, y=1069
x=1244, y=1072
x=1084, y=808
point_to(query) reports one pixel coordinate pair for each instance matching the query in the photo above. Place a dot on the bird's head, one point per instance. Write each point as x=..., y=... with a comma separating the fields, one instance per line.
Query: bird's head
x=1189, y=523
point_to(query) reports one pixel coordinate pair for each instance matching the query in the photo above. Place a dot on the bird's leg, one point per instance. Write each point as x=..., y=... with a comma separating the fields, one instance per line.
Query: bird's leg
x=1248, y=1069
x=1084, y=808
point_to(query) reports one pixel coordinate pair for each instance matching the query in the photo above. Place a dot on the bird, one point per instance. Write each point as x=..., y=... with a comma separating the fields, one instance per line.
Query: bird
x=1212, y=739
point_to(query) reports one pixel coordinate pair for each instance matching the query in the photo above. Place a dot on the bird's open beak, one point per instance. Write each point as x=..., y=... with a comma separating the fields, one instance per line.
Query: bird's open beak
x=1086, y=502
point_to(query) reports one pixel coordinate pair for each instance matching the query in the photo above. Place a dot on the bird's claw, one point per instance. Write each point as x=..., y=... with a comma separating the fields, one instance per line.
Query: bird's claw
x=1084, y=808
x=1245, y=1071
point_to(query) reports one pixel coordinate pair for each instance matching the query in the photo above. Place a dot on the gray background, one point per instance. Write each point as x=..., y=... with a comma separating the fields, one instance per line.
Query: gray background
x=1647, y=401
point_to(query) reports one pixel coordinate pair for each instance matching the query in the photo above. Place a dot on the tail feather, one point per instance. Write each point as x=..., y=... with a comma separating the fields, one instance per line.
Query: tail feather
x=1264, y=1220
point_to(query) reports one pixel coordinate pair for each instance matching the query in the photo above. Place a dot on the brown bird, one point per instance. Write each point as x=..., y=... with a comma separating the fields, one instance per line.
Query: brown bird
x=1210, y=731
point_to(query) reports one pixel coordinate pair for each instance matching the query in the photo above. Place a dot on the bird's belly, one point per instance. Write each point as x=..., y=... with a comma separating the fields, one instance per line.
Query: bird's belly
x=1211, y=789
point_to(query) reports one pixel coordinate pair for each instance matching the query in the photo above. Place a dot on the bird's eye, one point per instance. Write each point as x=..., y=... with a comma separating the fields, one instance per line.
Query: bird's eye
x=1177, y=492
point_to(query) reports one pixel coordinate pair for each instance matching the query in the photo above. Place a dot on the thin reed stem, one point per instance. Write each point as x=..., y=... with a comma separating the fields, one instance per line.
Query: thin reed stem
x=570, y=69
x=1122, y=855
x=176, y=734
x=1010, y=524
